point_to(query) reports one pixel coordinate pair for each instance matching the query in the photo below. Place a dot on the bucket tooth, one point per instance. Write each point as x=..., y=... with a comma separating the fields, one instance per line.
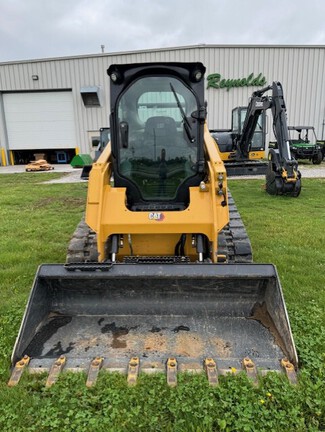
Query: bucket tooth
x=133, y=371
x=93, y=371
x=172, y=371
x=210, y=367
x=18, y=370
x=55, y=370
x=289, y=370
x=250, y=369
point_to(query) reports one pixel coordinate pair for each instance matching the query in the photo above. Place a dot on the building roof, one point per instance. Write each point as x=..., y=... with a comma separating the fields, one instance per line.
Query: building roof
x=187, y=47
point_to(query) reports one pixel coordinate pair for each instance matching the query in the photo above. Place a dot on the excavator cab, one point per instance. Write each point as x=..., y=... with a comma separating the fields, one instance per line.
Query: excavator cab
x=257, y=143
x=157, y=144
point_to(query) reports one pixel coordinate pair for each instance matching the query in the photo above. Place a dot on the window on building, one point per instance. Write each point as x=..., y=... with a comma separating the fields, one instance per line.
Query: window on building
x=90, y=96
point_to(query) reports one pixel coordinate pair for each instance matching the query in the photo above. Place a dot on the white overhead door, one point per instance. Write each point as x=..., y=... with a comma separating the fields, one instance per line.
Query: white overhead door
x=40, y=120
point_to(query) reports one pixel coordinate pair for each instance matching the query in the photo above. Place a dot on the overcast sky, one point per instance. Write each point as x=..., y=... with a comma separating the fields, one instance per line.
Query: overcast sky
x=33, y=29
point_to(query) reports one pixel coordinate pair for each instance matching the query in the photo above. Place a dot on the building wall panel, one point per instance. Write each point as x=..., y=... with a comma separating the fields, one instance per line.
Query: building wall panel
x=300, y=69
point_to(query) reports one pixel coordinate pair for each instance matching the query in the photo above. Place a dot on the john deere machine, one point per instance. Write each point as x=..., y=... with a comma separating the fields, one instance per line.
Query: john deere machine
x=159, y=277
x=243, y=147
x=304, y=144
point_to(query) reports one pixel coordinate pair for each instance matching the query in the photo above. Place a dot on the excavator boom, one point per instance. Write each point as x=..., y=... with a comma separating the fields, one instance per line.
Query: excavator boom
x=282, y=176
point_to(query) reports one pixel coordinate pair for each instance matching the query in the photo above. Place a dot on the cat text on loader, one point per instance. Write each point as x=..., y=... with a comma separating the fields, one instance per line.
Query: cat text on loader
x=163, y=279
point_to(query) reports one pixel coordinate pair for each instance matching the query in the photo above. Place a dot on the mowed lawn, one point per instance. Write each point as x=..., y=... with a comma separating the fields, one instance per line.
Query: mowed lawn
x=36, y=222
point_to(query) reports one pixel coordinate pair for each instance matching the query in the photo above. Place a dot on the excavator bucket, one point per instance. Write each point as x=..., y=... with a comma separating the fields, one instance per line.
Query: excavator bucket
x=147, y=317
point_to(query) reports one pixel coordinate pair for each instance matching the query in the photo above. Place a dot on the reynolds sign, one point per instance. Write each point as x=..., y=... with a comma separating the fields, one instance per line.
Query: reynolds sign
x=218, y=82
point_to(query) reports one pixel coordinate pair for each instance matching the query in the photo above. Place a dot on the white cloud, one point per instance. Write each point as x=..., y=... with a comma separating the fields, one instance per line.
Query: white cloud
x=37, y=28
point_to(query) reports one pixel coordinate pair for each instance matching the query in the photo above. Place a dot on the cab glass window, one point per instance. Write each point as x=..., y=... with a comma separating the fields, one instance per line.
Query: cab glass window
x=158, y=136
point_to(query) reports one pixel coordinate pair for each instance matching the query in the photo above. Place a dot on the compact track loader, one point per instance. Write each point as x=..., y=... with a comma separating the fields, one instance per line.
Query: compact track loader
x=159, y=276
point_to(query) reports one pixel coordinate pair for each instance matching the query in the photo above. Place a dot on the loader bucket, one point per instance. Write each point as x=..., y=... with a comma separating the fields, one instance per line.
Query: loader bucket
x=190, y=312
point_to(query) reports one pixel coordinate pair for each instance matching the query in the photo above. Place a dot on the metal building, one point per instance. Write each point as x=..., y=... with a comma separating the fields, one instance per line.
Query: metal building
x=56, y=106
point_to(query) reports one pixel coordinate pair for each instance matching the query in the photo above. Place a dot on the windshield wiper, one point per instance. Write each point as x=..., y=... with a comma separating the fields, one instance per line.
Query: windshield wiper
x=186, y=123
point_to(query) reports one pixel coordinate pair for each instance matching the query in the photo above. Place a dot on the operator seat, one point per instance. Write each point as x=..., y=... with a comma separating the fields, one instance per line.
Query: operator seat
x=160, y=133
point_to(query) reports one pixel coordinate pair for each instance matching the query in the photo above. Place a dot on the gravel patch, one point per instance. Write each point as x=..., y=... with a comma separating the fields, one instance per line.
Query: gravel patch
x=73, y=177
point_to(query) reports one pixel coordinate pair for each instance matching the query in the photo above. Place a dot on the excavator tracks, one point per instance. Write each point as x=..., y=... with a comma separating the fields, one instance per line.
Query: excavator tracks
x=233, y=241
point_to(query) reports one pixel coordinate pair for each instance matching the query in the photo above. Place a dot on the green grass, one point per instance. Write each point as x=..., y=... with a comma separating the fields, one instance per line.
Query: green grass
x=289, y=233
x=36, y=222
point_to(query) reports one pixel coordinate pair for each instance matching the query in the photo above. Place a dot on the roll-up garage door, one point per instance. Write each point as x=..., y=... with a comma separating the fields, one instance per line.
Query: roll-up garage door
x=40, y=120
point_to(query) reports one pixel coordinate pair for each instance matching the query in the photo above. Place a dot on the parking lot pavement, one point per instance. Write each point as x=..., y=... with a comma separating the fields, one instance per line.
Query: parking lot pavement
x=73, y=174
x=310, y=171
x=307, y=171
x=69, y=174
x=12, y=169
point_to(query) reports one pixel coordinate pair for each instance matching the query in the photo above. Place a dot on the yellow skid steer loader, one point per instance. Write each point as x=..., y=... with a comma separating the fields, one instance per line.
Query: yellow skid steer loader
x=159, y=276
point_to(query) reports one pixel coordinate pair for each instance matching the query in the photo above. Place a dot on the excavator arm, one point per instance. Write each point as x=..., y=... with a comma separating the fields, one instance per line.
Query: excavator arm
x=280, y=128
x=282, y=177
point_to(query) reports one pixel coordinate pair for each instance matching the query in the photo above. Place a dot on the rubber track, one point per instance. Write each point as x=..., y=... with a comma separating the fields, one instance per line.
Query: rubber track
x=233, y=241
x=83, y=245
